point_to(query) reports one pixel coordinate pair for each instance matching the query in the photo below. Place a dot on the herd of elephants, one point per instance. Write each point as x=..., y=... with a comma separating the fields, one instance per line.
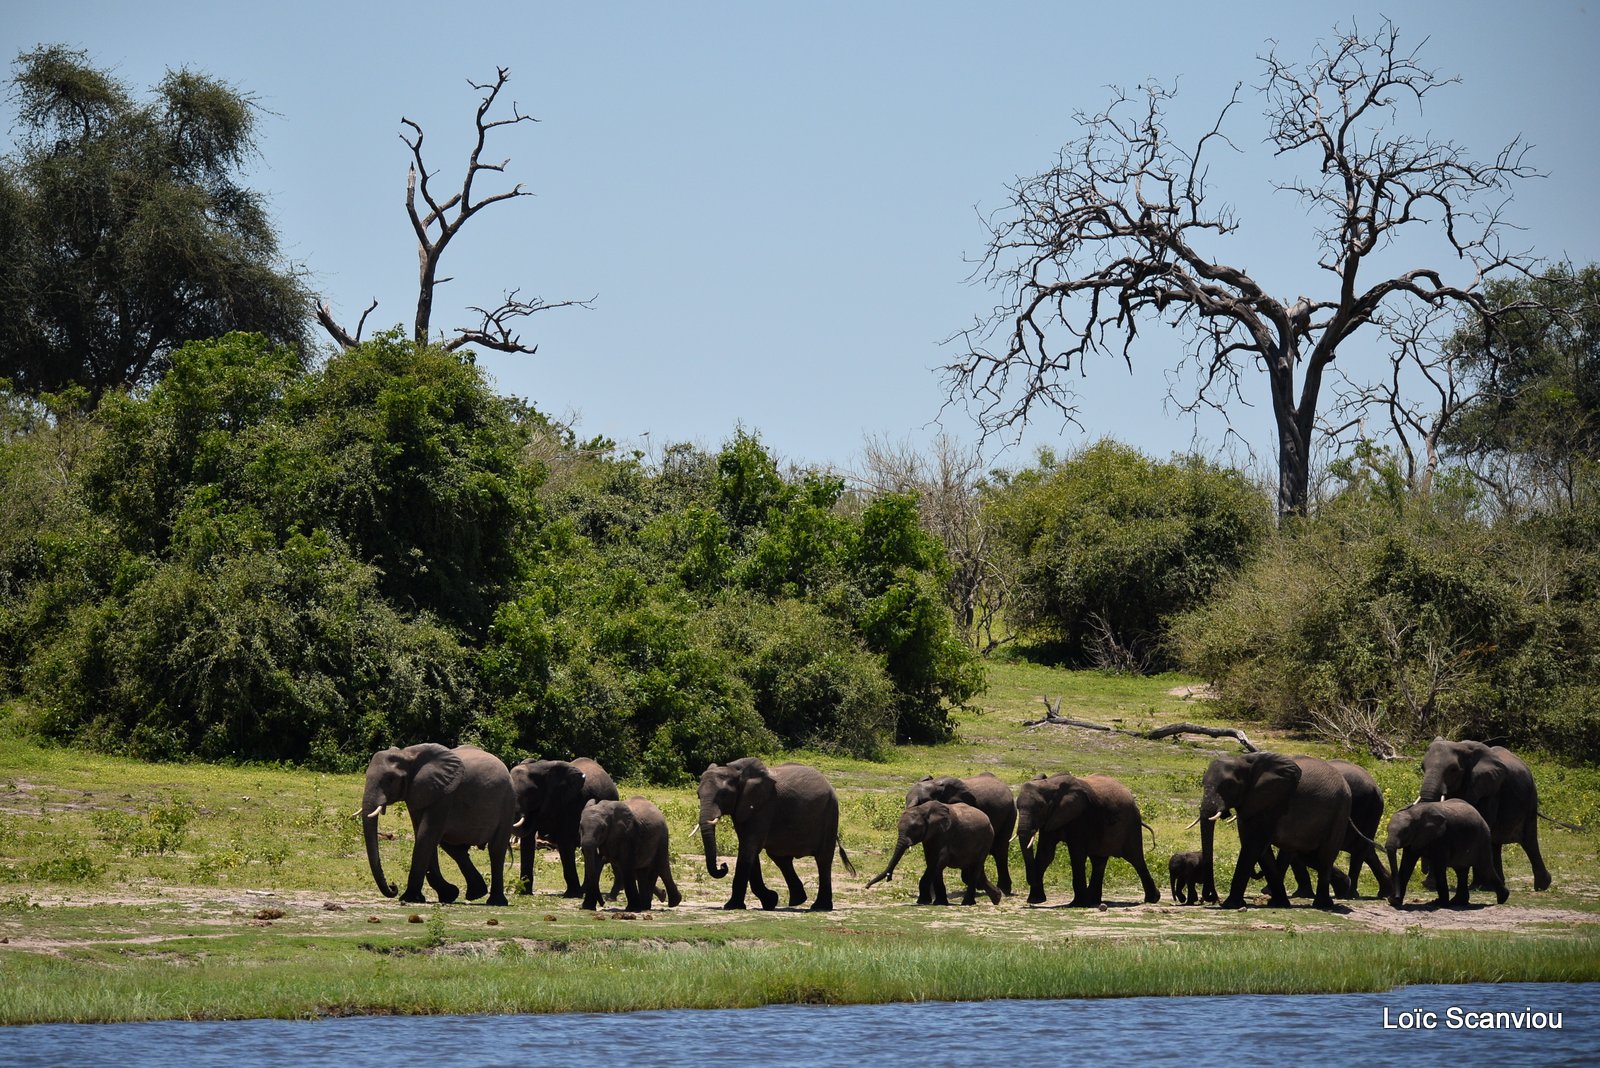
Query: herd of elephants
x=1294, y=813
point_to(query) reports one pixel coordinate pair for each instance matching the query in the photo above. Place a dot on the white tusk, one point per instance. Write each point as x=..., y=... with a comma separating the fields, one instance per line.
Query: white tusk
x=377, y=811
x=714, y=822
x=520, y=820
x=1192, y=822
x=356, y=814
x=1213, y=819
x=1231, y=818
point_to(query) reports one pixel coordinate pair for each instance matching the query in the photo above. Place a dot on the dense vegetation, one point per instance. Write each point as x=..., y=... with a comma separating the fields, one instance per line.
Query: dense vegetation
x=258, y=559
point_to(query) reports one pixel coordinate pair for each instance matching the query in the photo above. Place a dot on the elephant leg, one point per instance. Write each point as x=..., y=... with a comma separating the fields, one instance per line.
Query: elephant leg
x=1041, y=864
x=1381, y=873
x=1530, y=846
x=664, y=871
x=425, y=865
x=1402, y=877
x=1096, y=882
x=592, y=863
x=824, y=901
x=1463, y=895
x=797, y=892
x=940, y=897
x=1152, y=893
x=1080, y=882
x=640, y=886
x=925, y=887
x=1325, y=881
x=462, y=855
x=1002, y=866
x=497, y=864
x=1441, y=871
x=750, y=868
x=569, y=870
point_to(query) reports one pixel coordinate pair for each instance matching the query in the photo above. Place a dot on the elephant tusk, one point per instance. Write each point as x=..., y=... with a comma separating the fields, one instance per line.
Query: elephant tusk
x=519, y=823
x=1192, y=822
x=1213, y=819
x=356, y=814
x=713, y=822
x=377, y=811
x=1231, y=818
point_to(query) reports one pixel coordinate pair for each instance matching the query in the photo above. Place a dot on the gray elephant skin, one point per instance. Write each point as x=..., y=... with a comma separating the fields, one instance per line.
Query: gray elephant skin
x=952, y=835
x=1452, y=836
x=1185, y=873
x=989, y=795
x=1495, y=781
x=457, y=798
x=787, y=811
x=551, y=795
x=1360, y=838
x=1097, y=819
x=1300, y=805
x=631, y=836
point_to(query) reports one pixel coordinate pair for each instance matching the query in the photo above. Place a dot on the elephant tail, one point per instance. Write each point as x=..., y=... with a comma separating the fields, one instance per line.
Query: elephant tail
x=845, y=857
x=1561, y=823
x=1357, y=832
x=1152, y=831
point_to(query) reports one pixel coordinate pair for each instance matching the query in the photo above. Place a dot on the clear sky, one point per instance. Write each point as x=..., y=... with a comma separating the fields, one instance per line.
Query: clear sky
x=775, y=206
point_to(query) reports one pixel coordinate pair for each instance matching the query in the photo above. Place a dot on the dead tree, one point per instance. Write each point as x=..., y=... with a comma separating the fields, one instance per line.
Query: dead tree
x=436, y=222
x=1122, y=233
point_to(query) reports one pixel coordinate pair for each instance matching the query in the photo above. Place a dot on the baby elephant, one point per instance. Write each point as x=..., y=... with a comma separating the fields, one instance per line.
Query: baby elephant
x=1448, y=835
x=1186, y=873
x=952, y=836
x=631, y=836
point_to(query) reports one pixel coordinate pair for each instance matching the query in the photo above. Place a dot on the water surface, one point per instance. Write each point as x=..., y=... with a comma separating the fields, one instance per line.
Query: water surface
x=1231, y=1030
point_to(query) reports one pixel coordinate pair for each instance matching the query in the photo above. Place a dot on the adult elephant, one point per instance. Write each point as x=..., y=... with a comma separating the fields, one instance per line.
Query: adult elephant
x=1452, y=836
x=1301, y=805
x=788, y=811
x=985, y=792
x=1097, y=819
x=1360, y=838
x=1495, y=781
x=956, y=836
x=631, y=836
x=551, y=795
x=457, y=798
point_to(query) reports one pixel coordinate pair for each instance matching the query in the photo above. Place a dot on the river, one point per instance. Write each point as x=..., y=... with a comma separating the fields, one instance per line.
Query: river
x=1541, y=1024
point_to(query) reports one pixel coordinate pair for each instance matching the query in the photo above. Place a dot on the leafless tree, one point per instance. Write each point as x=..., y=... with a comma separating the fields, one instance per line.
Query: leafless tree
x=1116, y=236
x=436, y=222
x=948, y=485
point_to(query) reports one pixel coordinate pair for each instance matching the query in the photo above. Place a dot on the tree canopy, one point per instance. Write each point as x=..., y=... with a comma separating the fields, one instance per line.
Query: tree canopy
x=1125, y=231
x=125, y=230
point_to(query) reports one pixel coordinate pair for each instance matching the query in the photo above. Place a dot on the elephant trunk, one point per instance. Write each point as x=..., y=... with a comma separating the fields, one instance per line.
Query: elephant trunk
x=371, y=803
x=901, y=844
x=1433, y=788
x=1210, y=809
x=1025, y=833
x=1397, y=890
x=708, y=836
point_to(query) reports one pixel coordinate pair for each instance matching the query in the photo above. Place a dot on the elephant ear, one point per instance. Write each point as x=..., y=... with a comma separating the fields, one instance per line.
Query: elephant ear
x=757, y=788
x=939, y=817
x=623, y=825
x=438, y=771
x=1273, y=781
x=952, y=790
x=1488, y=777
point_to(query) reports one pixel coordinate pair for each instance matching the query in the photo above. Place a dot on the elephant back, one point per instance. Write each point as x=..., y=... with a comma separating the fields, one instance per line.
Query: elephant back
x=805, y=812
x=1318, y=811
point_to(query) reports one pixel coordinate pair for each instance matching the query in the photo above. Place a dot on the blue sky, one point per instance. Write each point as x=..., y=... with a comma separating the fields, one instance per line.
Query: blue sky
x=775, y=206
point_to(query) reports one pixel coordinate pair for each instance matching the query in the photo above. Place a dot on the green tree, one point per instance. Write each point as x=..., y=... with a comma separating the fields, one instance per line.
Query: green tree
x=124, y=229
x=1108, y=545
x=1532, y=430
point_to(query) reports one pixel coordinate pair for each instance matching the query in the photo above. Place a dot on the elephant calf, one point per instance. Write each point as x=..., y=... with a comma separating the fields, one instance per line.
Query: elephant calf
x=631, y=836
x=952, y=836
x=1449, y=835
x=1185, y=873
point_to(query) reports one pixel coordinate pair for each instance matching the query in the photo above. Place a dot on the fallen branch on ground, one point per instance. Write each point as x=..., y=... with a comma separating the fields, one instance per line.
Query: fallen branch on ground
x=1053, y=716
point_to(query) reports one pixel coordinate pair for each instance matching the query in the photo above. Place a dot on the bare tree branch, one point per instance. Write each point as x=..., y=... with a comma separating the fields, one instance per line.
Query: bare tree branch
x=1121, y=233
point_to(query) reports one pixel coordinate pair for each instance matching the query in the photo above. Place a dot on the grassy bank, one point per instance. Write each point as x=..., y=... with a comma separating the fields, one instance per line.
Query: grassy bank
x=137, y=891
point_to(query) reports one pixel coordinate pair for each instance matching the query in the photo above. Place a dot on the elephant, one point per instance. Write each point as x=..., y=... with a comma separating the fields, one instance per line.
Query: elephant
x=1449, y=834
x=954, y=835
x=789, y=811
x=1185, y=872
x=1299, y=804
x=1338, y=881
x=457, y=798
x=1096, y=816
x=1360, y=838
x=991, y=796
x=1499, y=785
x=551, y=794
x=631, y=836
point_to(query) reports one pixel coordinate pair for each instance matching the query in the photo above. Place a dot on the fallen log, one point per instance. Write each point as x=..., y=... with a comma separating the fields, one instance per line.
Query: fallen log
x=1054, y=717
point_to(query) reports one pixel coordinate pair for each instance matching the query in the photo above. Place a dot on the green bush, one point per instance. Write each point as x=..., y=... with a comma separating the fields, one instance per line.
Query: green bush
x=1105, y=547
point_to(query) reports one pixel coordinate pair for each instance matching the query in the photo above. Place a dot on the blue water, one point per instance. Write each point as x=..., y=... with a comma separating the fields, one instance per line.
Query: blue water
x=1235, y=1030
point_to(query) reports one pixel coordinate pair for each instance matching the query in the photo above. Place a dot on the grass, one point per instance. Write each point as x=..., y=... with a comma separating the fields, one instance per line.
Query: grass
x=142, y=891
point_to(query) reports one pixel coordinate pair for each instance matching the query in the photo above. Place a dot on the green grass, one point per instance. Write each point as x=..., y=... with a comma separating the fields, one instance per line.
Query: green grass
x=138, y=891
